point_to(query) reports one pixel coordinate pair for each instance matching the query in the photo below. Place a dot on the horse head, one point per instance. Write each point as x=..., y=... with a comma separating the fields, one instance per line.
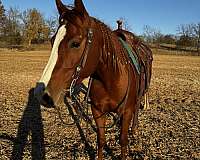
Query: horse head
x=72, y=47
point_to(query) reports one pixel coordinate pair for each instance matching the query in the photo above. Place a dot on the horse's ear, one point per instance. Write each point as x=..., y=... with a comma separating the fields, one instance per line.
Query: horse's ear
x=79, y=6
x=61, y=7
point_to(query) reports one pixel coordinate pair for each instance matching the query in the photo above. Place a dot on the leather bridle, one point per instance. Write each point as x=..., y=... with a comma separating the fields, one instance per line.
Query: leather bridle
x=81, y=63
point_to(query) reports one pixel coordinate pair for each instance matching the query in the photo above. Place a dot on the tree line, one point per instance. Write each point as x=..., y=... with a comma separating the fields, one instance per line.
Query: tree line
x=187, y=36
x=25, y=27
x=31, y=27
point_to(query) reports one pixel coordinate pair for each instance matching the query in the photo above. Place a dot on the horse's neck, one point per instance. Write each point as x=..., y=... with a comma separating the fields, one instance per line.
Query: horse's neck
x=112, y=67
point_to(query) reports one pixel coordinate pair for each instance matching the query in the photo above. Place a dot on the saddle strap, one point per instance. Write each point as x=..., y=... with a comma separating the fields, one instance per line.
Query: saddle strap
x=133, y=57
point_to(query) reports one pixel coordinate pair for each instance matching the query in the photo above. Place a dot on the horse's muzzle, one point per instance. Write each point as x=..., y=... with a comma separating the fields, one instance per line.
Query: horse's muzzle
x=43, y=96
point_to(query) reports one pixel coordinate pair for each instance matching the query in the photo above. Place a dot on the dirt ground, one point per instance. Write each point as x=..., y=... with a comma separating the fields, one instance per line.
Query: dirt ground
x=170, y=129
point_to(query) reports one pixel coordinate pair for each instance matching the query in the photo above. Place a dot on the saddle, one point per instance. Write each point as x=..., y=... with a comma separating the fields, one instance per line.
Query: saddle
x=142, y=52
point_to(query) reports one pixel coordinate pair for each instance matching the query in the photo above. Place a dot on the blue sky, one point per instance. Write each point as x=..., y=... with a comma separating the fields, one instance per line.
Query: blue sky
x=164, y=15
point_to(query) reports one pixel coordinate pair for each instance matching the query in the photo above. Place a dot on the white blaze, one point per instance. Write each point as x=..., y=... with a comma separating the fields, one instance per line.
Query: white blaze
x=46, y=76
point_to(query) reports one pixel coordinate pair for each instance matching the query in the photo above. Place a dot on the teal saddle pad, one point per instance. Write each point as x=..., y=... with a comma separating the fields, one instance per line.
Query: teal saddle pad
x=133, y=56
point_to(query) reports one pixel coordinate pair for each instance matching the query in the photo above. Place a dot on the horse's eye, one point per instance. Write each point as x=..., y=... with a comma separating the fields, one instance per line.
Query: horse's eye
x=75, y=45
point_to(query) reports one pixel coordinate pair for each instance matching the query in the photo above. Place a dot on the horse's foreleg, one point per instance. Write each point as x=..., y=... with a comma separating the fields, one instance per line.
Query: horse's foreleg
x=101, y=139
x=126, y=120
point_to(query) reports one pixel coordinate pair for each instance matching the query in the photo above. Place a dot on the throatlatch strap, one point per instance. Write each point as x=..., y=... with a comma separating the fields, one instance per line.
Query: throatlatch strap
x=133, y=57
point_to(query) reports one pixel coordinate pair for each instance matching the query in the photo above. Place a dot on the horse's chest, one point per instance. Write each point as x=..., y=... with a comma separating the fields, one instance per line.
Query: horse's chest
x=106, y=100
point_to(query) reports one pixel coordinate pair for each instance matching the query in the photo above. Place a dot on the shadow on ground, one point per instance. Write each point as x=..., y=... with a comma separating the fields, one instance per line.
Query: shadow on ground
x=30, y=126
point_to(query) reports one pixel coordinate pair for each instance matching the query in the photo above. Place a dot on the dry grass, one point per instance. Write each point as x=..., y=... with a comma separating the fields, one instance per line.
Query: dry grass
x=168, y=130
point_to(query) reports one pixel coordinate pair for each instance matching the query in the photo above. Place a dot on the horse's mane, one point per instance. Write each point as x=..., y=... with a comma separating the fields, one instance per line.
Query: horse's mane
x=112, y=50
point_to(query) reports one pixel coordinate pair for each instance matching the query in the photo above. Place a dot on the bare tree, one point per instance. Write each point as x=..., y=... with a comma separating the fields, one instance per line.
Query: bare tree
x=52, y=24
x=189, y=35
x=13, y=27
x=152, y=35
x=196, y=34
x=185, y=30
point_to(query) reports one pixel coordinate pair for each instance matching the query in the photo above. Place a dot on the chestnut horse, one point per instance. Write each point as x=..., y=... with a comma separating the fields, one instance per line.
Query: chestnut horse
x=82, y=47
